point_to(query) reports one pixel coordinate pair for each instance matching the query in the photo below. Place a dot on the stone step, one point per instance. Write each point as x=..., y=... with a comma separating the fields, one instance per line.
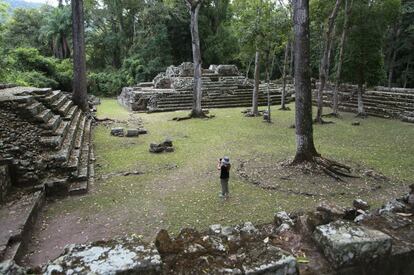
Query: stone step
x=44, y=116
x=55, y=140
x=83, y=169
x=78, y=188
x=35, y=108
x=71, y=113
x=56, y=186
x=74, y=159
x=59, y=101
x=62, y=155
x=64, y=110
x=217, y=100
x=52, y=97
x=229, y=105
x=52, y=124
x=17, y=219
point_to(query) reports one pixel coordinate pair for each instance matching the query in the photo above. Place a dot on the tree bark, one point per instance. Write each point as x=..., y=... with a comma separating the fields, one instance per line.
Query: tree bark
x=348, y=10
x=406, y=75
x=255, y=99
x=79, y=57
x=285, y=64
x=323, y=69
x=194, y=8
x=305, y=148
x=361, y=109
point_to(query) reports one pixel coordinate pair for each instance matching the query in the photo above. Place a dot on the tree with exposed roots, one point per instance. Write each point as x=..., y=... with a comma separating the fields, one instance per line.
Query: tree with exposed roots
x=305, y=147
x=323, y=69
x=194, y=8
x=79, y=57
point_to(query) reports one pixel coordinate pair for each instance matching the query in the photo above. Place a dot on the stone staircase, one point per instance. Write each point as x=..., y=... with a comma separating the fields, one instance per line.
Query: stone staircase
x=67, y=140
x=386, y=104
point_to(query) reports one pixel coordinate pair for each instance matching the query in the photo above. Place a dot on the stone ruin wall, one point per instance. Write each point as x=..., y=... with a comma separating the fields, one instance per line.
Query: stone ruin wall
x=19, y=145
x=328, y=240
x=5, y=182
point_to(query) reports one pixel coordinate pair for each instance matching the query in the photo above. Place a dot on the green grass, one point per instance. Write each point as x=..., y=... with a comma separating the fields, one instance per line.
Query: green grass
x=188, y=194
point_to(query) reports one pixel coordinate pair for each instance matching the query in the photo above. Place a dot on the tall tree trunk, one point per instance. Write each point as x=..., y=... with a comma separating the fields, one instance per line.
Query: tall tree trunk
x=267, y=74
x=248, y=70
x=285, y=64
x=331, y=47
x=348, y=10
x=194, y=8
x=323, y=69
x=391, y=68
x=255, y=99
x=393, y=55
x=406, y=75
x=292, y=64
x=361, y=109
x=79, y=56
x=305, y=148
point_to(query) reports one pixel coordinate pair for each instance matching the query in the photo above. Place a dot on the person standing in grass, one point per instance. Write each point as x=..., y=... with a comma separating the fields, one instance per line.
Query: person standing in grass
x=224, y=166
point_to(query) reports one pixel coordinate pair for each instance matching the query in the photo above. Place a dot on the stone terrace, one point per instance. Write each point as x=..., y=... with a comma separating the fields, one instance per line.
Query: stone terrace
x=222, y=87
x=45, y=150
x=382, y=102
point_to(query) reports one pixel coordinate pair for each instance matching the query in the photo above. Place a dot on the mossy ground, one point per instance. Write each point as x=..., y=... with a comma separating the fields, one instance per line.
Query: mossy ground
x=181, y=189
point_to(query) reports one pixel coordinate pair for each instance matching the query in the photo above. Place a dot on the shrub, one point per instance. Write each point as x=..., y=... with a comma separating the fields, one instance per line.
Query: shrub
x=107, y=83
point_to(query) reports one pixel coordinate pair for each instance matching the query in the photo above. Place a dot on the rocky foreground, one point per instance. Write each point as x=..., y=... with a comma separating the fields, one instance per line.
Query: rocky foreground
x=330, y=240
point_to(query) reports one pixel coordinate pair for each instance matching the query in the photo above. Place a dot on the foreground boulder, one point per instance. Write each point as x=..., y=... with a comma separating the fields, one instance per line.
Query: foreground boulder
x=345, y=244
x=119, y=256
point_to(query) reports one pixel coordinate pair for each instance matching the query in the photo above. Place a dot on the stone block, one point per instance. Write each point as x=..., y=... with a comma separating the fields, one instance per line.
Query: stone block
x=132, y=132
x=156, y=148
x=142, y=131
x=168, y=143
x=169, y=149
x=120, y=256
x=118, y=132
x=272, y=260
x=346, y=244
x=227, y=70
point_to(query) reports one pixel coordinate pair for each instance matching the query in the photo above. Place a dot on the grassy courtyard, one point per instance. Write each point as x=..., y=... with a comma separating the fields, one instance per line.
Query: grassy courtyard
x=179, y=189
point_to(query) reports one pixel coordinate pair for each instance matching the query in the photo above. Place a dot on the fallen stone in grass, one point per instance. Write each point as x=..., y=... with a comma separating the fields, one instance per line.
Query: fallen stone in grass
x=118, y=132
x=356, y=123
x=142, y=131
x=132, y=132
x=156, y=148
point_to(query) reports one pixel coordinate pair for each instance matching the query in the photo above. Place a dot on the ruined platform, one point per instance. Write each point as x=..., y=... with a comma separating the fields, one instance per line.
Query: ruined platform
x=397, y=103
x=222, y=87
x=45, y=150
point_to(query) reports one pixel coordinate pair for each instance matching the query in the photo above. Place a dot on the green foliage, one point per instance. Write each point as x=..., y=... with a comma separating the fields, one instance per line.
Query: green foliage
x=108, y=83
x=26, y=66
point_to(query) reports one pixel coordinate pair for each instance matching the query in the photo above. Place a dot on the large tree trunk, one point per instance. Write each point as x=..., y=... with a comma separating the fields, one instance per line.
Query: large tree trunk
x=323, y=69
x=79, y=56
x=406, y=75
x=255, y=99
x=305, y=148
x=348, y=10
x=285, y=65
x=267, y=74
x=391, y=68
x=194, y=8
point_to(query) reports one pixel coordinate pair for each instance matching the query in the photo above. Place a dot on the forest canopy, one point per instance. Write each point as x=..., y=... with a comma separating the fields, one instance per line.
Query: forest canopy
x=131, y=41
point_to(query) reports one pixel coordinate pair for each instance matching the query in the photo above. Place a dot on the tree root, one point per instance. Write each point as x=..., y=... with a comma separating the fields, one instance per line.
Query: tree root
x=191, y=115
x=332, y=115
x=362, y=115
x=334, y=169
x=321, y=121
x=284, y=108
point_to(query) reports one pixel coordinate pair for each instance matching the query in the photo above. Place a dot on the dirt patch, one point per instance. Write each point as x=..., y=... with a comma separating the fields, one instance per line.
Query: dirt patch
x=280, y=176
